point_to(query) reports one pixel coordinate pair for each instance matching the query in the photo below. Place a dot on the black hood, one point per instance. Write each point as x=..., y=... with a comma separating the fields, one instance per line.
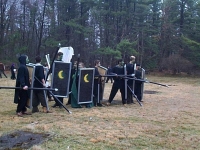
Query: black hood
x=22, y=59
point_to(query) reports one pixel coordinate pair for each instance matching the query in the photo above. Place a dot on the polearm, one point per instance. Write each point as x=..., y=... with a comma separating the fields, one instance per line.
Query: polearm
x=78, y=61
x=134, y=95
x=146, y=81
x=54, y=57
x=20, y=88
x=128, y=77
x=47, y=89
x=125, y=82
x=114, y=75
x=55, y=97
x=59, y=102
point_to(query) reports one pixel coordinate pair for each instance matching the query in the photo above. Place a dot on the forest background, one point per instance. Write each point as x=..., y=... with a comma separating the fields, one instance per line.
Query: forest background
x=162, y=34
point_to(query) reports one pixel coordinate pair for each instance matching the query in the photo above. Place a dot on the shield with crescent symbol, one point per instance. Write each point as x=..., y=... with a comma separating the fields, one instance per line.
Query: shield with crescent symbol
x=60, y=78
x=85, y=85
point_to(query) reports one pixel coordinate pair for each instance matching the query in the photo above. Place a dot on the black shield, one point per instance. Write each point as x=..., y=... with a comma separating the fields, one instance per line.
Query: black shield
x=85, y=85
x=142, y=86
x=61, y=78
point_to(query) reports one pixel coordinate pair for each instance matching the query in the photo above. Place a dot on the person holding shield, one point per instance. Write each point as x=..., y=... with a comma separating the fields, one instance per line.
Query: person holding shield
x=131, y=66
x=39, y=82
x=59, y=58
x=138, y=84
x=97, y=89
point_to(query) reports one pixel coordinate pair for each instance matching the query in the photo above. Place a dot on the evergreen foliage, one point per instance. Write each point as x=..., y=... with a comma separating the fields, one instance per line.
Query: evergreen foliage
x=152, y=30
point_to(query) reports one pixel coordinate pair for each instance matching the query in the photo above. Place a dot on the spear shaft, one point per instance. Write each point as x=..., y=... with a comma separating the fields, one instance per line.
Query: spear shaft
x=51, y=65
x=60, y=102
x=128, y=77
x=20, y=88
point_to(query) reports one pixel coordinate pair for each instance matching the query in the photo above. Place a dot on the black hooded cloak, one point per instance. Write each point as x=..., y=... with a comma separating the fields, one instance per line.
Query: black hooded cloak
x=22, y=77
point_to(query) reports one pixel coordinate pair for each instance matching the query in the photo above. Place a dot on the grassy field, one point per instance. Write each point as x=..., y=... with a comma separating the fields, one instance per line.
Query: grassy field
x=168, y=120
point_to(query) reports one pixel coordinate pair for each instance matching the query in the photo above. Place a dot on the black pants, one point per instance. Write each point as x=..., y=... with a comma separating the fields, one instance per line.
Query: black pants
x=60, y=99
x=2, y=73
x=118, y=85
x=38, y=97
x=12, y=75
x=23, y=98
x=69, y=99
x=130, y=94
x=137, y=91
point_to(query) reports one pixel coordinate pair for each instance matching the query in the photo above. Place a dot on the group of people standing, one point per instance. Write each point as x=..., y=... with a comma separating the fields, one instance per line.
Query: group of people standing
x=12, y=70
x=22, y=95
x=121, y=73
x=72, y=98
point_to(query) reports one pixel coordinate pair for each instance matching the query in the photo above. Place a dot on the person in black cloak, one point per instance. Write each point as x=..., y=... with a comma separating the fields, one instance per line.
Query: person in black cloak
x=22, y=95
x=12, y=68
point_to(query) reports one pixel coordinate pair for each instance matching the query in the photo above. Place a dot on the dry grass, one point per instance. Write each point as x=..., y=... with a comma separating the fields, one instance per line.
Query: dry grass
x=168, y=120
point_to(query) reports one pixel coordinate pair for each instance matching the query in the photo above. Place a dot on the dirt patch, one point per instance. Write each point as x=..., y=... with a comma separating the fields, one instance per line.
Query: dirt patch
x=21, y=140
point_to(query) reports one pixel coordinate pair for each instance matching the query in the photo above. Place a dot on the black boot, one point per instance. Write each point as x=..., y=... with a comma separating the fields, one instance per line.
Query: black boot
x=94, y=102
x=54, y=105
x=99, y=105
x=35, y=109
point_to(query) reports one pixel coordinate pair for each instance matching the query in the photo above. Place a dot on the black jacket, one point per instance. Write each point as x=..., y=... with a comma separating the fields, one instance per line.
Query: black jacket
x=118, y=81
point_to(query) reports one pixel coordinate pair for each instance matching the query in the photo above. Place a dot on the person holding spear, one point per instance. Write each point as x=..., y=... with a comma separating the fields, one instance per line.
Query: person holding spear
x=97, y=88
x=118, y=83
x=131, y=66
x=59, y=58
x=39, y=82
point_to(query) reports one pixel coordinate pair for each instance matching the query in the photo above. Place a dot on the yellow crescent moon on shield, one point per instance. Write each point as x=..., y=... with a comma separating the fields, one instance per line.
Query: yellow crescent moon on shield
x=60, y=74
x=85, y=78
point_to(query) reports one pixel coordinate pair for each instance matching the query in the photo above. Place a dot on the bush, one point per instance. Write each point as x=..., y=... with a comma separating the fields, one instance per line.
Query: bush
x=177, y=64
